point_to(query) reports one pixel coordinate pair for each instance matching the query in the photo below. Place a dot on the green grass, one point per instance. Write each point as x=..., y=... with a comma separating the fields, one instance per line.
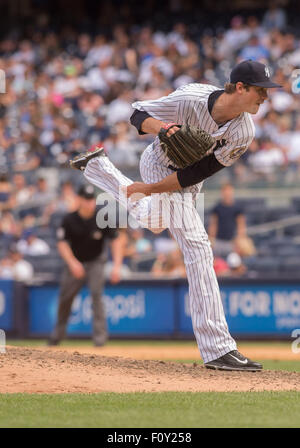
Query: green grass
x=291, y=366
x=139, y=342
x=152, y=410
x=111, y=343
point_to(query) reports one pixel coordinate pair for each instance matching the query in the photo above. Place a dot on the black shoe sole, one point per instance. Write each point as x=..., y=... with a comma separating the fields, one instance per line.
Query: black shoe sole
x=236, y=369
x=80, y=161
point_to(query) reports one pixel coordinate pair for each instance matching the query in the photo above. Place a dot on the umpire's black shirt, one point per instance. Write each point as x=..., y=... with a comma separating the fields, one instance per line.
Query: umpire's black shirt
x=85, y=238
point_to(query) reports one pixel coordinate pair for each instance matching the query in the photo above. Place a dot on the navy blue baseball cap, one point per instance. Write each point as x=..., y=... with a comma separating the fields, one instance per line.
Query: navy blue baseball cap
x=253, y=73
x=86, y=192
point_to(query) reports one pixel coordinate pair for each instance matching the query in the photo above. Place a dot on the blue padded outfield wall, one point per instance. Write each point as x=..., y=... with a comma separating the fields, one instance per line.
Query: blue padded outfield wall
x=156, y=309
x=261, y=310
x=130, y=310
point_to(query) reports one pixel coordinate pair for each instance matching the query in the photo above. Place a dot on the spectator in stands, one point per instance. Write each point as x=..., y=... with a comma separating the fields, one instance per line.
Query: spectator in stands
x=31, y=245
x=6, y=270
x=268, y=125
x=227, y=221
x=6, y=202
x=42, y=194
x=254, y=50
x=137, y=243
x=98, y=131
x=221, y=267
x=9, y=229
x=68, y=199
x=22, y=269
x=235, y=37
x=139, y=254
x=28, y=222
x=244, y=246
x=164, y=243
x=28, y=151
x=65, y=202
x=293, y=150
x=232, y=266
x=22, y=192
x=274, y=17
x=235, y=264
x=41, y=199
x=120, y=147
x=14, y=267
x=267, y=159
x=169, y=265
x=282, y=100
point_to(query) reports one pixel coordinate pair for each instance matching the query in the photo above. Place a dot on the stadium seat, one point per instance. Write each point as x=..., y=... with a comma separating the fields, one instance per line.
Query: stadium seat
x=277, y=213
x=296, y=203
x=263, y=265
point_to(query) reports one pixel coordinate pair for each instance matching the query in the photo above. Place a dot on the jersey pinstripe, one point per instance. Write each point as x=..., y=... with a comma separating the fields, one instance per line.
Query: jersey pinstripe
x=189, y=104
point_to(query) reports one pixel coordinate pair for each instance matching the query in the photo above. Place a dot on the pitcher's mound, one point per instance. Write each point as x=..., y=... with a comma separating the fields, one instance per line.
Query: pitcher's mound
x=57, y=371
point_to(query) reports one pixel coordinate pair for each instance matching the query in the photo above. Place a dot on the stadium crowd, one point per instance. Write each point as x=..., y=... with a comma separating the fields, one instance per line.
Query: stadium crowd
x=67, y=90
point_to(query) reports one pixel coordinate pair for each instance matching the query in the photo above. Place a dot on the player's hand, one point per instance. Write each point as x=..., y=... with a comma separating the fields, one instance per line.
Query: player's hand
x=137, y=188
x=77, y=269
x=115, y=275
x=171, y=129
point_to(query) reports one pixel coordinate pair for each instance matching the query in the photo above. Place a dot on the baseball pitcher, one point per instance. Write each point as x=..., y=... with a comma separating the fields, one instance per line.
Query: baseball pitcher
x=200, y=129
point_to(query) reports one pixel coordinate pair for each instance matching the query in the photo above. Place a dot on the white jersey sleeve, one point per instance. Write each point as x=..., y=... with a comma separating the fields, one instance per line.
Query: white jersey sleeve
x=184, y=105
x=164, y=108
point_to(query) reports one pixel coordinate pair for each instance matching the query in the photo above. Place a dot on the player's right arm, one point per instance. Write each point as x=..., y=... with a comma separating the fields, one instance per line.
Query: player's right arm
x=151, y=115
x=168, y=184
x=146, y=124
x=153, y=126
x=185, y=177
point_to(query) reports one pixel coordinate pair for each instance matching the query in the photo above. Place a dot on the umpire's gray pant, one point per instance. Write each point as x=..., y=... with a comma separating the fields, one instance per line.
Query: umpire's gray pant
x=70, y=287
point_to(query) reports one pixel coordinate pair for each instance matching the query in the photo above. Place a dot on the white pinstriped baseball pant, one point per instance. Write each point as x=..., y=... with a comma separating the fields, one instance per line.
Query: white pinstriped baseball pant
x=209, y=323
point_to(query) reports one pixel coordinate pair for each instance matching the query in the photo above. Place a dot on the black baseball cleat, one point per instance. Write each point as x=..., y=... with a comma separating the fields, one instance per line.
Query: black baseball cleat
x=79, y=162
x=234, y=360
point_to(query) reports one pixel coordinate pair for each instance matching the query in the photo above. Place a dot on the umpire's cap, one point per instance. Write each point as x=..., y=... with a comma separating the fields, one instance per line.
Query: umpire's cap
x=253, y=73
x=86, y=192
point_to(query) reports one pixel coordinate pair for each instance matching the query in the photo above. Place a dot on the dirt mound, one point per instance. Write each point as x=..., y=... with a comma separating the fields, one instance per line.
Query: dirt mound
x=181, y=351
x=58, y=371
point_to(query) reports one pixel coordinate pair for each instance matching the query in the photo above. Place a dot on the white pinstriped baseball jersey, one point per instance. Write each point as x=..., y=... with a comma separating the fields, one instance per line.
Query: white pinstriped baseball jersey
x=189, y=104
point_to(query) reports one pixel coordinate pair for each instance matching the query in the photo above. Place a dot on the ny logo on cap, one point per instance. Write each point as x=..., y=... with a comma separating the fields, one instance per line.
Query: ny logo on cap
x=267, y=72
x=89, y=189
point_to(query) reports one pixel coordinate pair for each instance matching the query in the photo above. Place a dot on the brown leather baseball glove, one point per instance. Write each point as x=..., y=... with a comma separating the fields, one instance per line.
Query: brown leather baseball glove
x=186, y=146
